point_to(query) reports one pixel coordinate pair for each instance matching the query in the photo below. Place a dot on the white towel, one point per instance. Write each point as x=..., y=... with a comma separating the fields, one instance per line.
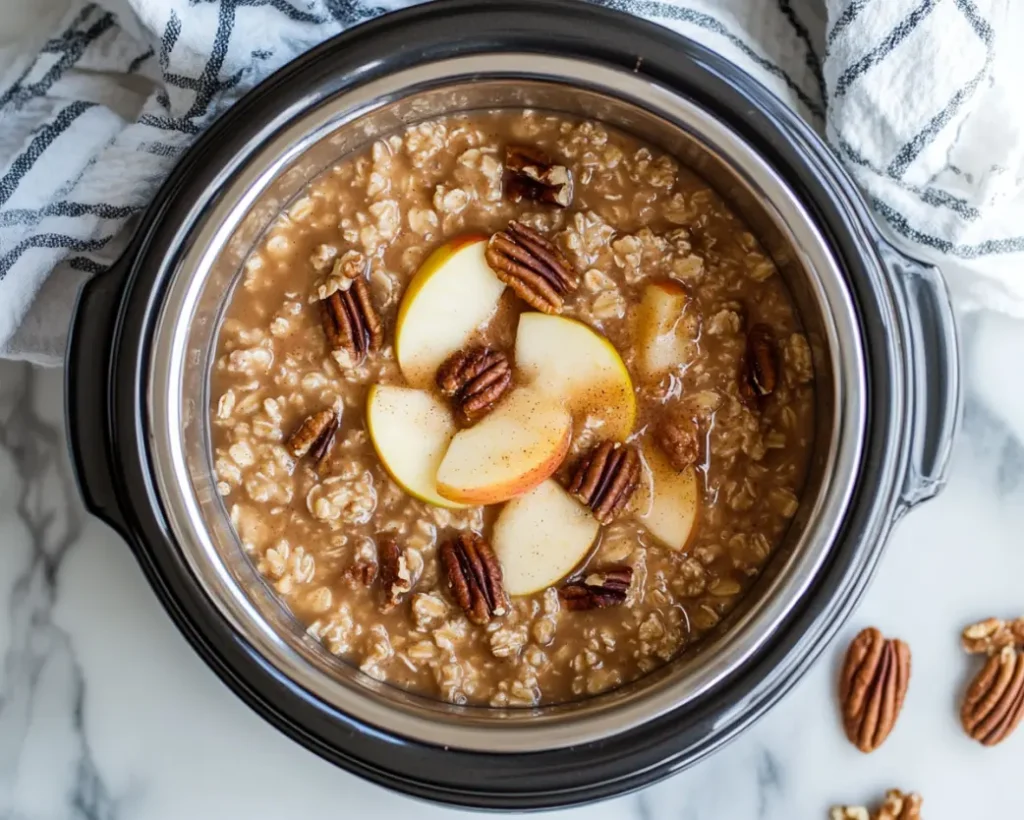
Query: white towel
x=921, y=98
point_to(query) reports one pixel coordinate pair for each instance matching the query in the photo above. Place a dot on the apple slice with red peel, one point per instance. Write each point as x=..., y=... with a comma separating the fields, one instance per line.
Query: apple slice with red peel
x=669, y=500
x=665, y=329
x=453, y=293
x=540, y=537
x=565, y=358
x=410, y=430
x=509, y=452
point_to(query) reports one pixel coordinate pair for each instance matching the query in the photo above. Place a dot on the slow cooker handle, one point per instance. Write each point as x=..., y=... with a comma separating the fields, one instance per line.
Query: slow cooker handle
x=88, y=394
x=934, y=405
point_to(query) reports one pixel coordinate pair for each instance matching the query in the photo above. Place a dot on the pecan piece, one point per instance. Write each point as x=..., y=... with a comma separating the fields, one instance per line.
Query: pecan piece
x=994, y=703
x=679, y=441
x=897, y=806
x=351, y=323
x=531, y=174
x=363, y=569
x=759, y=368
x=599, y=590
x=315, y=435
x=532, y=266
x=474, y=380
x=991, y=635
x=395, y=579
x=606, y=478
x=872, y=687
x=361, y=572
x=474, y=577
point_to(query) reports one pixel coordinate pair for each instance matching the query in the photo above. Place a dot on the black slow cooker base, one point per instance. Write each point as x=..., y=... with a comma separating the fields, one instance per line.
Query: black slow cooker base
x=107, y=378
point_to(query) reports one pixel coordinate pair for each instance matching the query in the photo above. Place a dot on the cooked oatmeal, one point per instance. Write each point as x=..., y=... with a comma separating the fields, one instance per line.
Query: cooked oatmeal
x=402, y=588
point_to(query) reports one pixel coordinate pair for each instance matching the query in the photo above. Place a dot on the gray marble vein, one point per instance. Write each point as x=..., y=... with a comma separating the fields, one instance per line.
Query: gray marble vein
x=39, y=663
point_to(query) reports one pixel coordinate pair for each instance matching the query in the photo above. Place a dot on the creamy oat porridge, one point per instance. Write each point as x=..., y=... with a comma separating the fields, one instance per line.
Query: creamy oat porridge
x=510, y=408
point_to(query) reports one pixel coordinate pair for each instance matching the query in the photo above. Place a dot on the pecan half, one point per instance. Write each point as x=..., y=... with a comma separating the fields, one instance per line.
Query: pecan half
x=679, y=441
x=395, y=579
x=606, y=478
x=351, y=323
x=474, y=380
x=994, y=704
x=599, y=590
x=992, y=635
x=897, y=806
x=872, y=687
x=531, y=174
x=474, y=577
x=759, y=369
x=315, y=435
x=532, y=266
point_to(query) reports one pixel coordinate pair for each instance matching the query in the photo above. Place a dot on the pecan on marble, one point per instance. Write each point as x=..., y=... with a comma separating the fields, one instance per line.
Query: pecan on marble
x=872, y=687
x=994, y=704
x=606, y=478
x=532, y=266
x=598, y=590
x=532, y=174
x=474, y=577
x=315, y=436
x=759, y=368
x=991, y=635
x=897, y=806
x=395, y=578
x=474, y=380
x=351, y=323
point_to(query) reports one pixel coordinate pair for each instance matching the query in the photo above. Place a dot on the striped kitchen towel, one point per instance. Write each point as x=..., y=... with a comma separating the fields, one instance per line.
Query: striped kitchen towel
x=920, y=98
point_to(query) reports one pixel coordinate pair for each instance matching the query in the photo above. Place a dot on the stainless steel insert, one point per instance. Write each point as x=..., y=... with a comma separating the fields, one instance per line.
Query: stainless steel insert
x=277, y=167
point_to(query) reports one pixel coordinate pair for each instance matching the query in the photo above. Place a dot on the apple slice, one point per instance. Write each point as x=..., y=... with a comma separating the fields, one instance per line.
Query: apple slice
x=540, y=536
x=668, y=501
x=664, y=329
x=410, y=430
x=452, y=294
x=565, y=358
x=509, y=452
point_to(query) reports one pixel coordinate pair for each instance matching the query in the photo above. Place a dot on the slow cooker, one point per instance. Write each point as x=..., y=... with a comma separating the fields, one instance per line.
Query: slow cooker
x=880, y=325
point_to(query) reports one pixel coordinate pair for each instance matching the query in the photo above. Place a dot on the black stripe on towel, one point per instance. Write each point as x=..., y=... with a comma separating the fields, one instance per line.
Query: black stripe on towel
x=935, y=197
x=978, y=23
x=86, y=265
x=843, y=21
x=138, y=62
x=43, y=138
x=49, y=240
x=899, y=223
x=72, y=47
x=287, y=9
x=666, y=11
x=909, y=152
x=170, y=36
x=69, y=209
x=58, y=43
x=882, y=50
x=811, y=57
x=350, y=12
x=178, y=124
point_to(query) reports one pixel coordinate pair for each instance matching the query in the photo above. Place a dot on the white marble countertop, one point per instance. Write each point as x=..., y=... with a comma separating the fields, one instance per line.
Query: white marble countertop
x=106, y=713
